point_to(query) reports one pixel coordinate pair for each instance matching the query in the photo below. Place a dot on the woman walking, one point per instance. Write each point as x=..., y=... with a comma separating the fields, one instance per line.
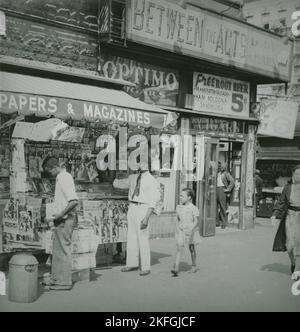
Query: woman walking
x=288, y=211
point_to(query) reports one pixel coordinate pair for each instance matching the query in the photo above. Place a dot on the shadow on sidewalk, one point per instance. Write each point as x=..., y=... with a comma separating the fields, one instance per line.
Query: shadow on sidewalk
x=276, y=267
x=156, y=256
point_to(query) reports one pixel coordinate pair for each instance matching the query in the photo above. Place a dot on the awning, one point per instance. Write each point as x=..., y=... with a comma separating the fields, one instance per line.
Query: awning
x=43, y=97
x=215, y=115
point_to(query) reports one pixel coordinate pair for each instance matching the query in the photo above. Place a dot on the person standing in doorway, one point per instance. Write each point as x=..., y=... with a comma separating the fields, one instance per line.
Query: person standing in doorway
x=225, y=185
x=143, y=197
x=65, y=202
x=258, y=187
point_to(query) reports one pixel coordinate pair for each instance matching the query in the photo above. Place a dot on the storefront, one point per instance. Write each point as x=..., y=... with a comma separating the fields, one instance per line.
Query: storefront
x=228, y=139
x=73, y=122
x=278, y=149
x=220, y=61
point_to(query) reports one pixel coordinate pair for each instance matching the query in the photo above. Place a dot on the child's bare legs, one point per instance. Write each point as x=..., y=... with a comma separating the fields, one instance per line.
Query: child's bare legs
x=179, y=251
x=193, y=256
x=292, y=259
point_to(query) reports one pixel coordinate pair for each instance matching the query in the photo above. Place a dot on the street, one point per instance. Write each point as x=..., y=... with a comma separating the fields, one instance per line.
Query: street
x=238, y=272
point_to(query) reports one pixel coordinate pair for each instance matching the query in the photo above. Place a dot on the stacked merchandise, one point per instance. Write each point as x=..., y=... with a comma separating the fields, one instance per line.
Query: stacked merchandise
x=84, y=247
x=5, y=161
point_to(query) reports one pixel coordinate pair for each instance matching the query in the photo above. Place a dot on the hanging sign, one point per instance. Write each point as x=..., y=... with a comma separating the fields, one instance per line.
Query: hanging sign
x=278, y=118
x=216, y=94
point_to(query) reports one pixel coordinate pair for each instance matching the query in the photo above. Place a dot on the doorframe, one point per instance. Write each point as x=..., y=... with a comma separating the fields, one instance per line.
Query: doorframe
x=204, y=187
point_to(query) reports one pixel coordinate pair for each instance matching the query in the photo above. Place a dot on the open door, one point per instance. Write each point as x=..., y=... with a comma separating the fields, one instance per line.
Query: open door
x=208, y=192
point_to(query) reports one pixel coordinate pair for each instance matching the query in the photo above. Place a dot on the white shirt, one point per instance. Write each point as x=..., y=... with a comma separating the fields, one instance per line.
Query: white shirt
x=64, y=190
x=149, y=189
x=219, y=180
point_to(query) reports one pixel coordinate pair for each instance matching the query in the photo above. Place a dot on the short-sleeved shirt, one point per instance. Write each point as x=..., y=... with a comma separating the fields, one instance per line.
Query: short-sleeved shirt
x=149, y=189
x=64, y=190
x=187, y=213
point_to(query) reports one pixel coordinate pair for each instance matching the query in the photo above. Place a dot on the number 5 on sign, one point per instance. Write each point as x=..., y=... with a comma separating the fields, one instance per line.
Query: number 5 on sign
x=237, y=102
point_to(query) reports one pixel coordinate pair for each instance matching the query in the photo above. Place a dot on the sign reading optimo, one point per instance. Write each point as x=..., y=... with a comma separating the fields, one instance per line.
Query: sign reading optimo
x=64, y=108
x=154, y=84
x=208, y=36
x=215, y=94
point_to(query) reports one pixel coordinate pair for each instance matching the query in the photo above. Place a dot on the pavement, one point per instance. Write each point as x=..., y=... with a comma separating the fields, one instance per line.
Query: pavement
x=237, y=272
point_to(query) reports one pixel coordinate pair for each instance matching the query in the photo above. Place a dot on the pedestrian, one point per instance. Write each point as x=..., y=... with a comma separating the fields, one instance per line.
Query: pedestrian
x=258, y=187
x=187, y=231
x=143, y=197
x=287, y=210
x=225, y=185
x=65, y=202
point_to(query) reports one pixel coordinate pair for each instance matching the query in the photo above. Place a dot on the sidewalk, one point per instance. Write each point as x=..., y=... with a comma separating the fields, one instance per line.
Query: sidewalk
x=238, y=272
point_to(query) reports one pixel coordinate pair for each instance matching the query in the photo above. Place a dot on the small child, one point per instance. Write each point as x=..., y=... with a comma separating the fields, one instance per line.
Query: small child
x=187, y=229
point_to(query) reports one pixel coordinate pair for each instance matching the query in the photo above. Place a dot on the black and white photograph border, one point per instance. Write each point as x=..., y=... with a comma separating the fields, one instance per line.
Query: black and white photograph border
x=149, y=158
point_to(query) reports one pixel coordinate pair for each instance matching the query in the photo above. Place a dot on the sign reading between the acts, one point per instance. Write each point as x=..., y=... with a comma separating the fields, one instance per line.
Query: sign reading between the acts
x=205, y=35
x=216, y=94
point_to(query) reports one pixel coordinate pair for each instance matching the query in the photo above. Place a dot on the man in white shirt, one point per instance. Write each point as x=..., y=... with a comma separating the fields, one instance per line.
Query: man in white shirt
x=65, y=202
x=143, y=196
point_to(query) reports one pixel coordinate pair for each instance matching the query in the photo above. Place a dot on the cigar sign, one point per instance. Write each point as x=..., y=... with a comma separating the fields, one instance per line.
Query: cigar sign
x=209, y=36
x=153, y=84
x=63, y=108
x=220, y=95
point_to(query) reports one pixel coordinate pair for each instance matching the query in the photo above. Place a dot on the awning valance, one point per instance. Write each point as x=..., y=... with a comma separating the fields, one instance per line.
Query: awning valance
x=29, y=95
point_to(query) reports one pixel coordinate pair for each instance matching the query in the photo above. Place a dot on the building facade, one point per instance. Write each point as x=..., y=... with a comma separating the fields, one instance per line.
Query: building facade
x=198, y=61
x=277, y=156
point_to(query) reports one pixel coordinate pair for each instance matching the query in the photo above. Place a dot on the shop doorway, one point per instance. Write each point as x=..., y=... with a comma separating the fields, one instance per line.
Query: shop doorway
x=227, y=152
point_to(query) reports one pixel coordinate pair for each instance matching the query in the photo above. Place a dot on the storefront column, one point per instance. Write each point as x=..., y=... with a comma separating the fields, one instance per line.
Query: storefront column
x=247, y=220
x=184, y=130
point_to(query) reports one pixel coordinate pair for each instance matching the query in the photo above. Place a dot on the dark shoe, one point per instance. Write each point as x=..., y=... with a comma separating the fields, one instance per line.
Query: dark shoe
x=175, y=273
x=129, y=269
x=145, y=273
x=60, y=287
x=47, y=283
x=293, y=268
x=223, y=226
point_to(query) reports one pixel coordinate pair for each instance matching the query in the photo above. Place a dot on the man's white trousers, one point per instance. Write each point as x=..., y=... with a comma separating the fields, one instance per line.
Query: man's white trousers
x=137, y=240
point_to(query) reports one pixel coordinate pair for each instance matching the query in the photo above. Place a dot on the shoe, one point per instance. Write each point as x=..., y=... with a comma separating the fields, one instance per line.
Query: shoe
x=145, y=273
x=60, y=287
x=296, y=276
x=293, y=268
x=223, y=227
x=47, y=283
x=129, y=269
x=194, y=269
x=175, y=272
